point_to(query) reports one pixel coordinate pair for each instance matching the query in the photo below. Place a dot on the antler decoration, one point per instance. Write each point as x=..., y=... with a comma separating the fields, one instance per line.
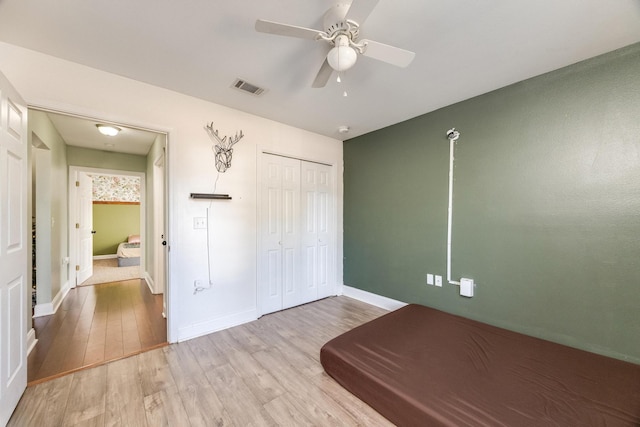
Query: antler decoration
x=223, y=147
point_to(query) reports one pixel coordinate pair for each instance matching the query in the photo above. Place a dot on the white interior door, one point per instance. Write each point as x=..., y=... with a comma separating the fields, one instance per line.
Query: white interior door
x=13, y=248
x=290, y=230
x=317, y=232
x=279, y=258
x=270, y=285
x=159, y=251
x=84, y=227
x=297, y=254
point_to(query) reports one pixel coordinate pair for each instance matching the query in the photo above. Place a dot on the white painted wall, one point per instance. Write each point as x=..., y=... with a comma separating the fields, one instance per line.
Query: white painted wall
x=53, y=83
x=51, y=210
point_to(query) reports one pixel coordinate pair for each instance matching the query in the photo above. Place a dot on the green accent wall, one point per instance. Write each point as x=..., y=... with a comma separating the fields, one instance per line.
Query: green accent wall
x=546, y=215
x=113, y=224
x=86, y=157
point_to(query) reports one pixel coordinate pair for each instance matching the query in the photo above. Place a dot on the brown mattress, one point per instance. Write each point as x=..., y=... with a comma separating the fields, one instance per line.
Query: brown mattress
x=421, y=367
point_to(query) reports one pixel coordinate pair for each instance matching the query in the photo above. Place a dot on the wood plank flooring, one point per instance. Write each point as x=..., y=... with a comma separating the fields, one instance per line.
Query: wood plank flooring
x=263, y=373
x=95, y=324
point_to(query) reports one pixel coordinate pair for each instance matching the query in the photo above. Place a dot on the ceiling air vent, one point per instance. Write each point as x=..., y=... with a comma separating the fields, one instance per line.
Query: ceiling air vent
x=248, y=87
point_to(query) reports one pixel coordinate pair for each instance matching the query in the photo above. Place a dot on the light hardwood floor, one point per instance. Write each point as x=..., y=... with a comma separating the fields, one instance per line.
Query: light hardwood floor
x=263, y=373
x=95, y=324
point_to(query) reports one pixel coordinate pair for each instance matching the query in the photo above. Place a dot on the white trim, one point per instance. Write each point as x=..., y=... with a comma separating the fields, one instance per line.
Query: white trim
x=373, y=299
x=110, y=256
x=203, y=328
x=72, y=203
x=150, y=284
x=50, y=308
x=31, y=340
x=171, y=292
x=43, y=310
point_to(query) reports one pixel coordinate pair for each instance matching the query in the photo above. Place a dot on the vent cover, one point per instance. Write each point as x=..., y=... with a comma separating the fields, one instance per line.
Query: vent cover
x=248, y=87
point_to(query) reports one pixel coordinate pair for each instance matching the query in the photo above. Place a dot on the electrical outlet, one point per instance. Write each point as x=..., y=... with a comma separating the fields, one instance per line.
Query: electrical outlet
x=199, y=222
x=439, y=281
x=430, y=279
x=201, y=285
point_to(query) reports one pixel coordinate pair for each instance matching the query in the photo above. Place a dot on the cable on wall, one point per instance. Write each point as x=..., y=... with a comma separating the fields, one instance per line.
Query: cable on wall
x=223, y=152
x=452, y=135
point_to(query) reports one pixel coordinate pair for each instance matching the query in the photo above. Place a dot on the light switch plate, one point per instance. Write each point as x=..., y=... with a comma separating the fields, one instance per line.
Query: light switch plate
x=199, y=222
x=439, y=281
x=429, y=279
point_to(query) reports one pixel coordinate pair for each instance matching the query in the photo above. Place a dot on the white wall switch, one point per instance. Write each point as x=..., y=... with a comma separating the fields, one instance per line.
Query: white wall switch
x=429, y=279
x=466, y=287
x=439, y=281
x=199, y=222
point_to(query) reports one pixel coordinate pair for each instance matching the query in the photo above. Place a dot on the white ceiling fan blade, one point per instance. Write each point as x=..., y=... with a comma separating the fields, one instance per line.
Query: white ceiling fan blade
x=323, y=75
x=360, y=10
x=286, y=30
x=389, y=54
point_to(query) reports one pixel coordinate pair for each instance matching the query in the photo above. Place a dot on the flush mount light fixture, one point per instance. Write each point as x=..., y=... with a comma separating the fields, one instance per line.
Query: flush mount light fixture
x=108, y=130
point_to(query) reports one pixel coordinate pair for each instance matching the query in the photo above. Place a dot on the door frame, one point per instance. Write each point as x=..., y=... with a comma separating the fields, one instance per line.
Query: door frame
x=84, y=223
x=260, y=153
x=160, y=227
x=73, y=208
x=170, y=294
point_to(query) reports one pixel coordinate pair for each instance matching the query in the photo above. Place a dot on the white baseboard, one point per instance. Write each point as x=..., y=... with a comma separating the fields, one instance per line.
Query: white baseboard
x=105, y=256
x=214, y=325
x=49, y=308
x=150, y=283
x=31, y=340
x=43, y=309
x=371, y=298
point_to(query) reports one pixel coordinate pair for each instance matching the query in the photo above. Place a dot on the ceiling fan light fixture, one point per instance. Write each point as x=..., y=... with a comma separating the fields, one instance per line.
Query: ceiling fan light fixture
x=108, y=130
x=342, y=56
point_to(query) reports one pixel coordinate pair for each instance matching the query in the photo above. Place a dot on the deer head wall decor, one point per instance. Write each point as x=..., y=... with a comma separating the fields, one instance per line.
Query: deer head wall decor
x=223, y=147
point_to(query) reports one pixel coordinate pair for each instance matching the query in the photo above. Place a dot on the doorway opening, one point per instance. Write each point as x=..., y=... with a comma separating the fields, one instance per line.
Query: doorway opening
x=107, y=242
x=123, y=316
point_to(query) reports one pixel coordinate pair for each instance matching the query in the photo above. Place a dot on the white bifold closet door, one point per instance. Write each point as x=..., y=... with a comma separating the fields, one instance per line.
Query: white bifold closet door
x=297, y=242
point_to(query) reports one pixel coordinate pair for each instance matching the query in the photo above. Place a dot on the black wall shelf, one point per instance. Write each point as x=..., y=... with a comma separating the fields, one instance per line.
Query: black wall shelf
x=210, y=196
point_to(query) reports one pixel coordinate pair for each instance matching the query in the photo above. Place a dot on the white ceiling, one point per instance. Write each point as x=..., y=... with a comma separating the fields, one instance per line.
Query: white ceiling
x=463, y=48
x=81, y=132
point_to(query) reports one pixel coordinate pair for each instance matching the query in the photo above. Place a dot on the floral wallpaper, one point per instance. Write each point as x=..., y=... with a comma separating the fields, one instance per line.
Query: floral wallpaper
x=110, y=188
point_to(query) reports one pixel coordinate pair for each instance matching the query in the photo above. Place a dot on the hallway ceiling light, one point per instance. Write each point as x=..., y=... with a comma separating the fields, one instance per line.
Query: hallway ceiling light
x=108, y=130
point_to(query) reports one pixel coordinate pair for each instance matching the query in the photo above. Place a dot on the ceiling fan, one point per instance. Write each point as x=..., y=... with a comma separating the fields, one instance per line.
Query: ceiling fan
x=341, y=30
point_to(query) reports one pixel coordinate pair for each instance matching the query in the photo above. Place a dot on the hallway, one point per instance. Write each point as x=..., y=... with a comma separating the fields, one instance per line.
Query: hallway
x=94, y=325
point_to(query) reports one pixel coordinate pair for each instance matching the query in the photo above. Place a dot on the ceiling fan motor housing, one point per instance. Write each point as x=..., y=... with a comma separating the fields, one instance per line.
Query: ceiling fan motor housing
x=335, y=23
